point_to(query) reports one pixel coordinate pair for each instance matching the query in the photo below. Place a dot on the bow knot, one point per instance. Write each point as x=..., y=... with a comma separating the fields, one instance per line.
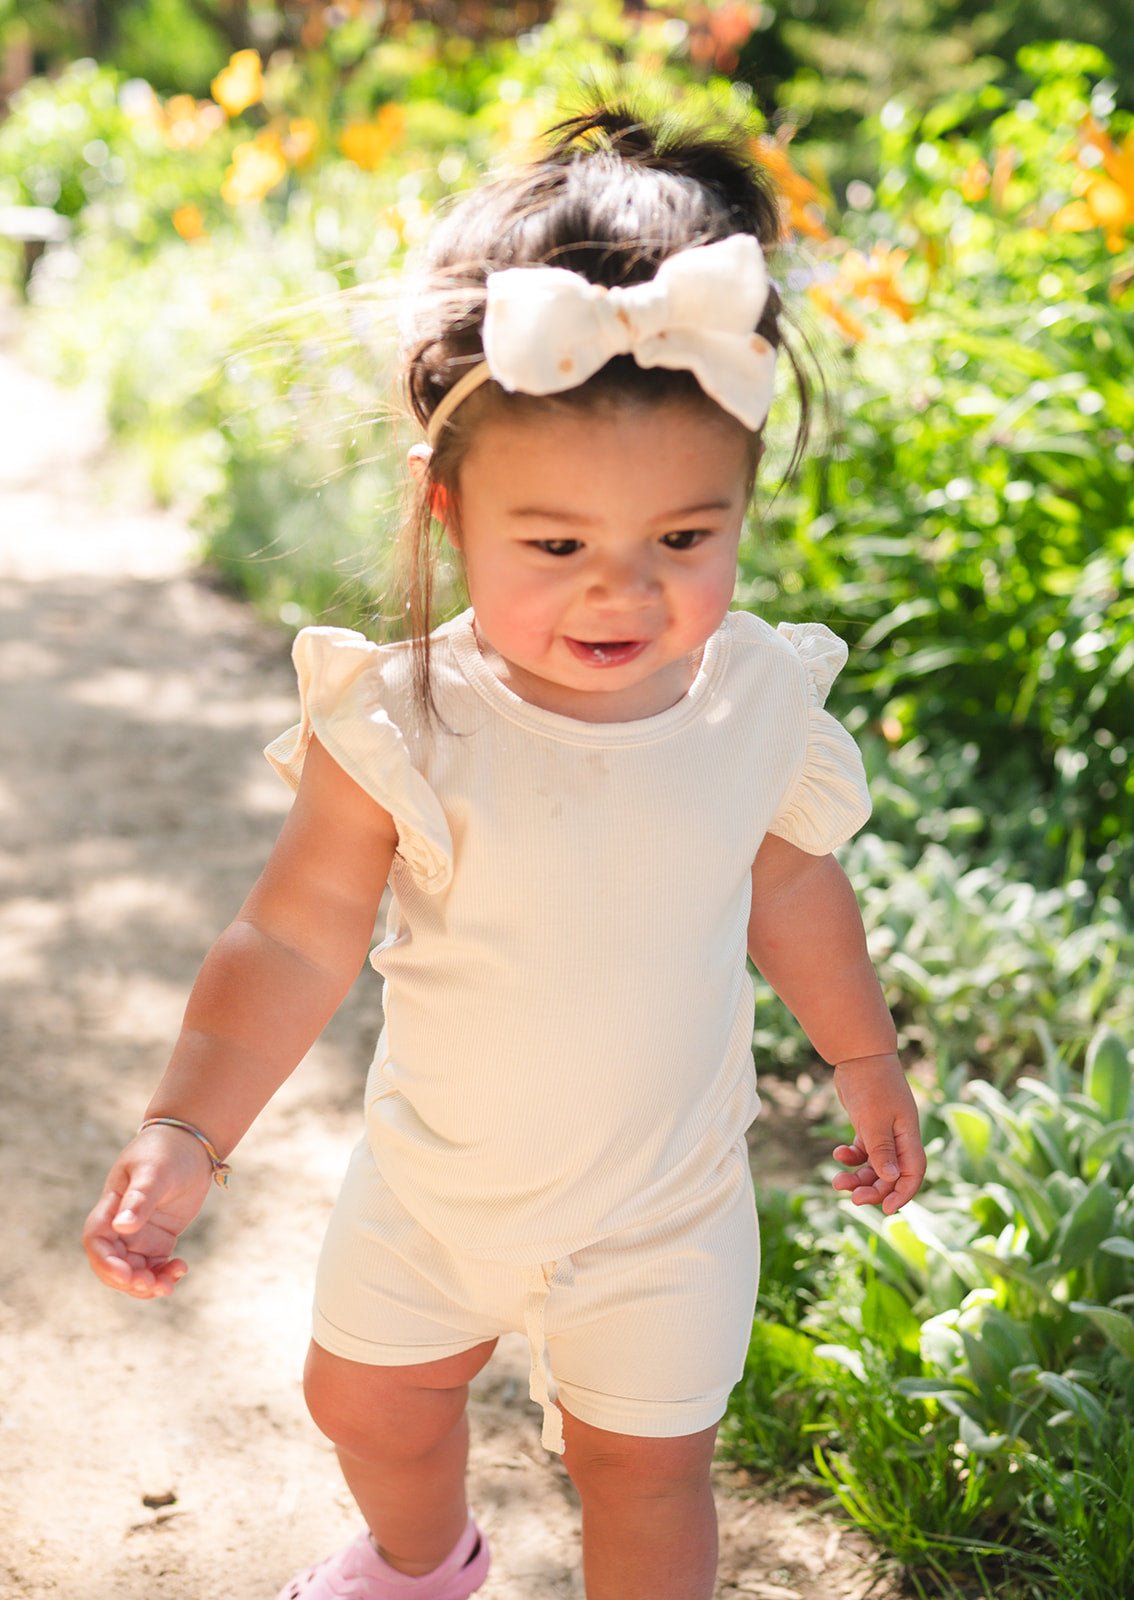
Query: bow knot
x=547, y=329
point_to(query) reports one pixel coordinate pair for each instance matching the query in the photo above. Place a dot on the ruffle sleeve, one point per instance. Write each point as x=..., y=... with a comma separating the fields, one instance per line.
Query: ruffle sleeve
x=828, y=800
x=341, y=697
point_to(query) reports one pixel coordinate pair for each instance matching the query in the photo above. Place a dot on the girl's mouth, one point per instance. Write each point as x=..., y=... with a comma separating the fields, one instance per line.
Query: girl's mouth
x=606, y=652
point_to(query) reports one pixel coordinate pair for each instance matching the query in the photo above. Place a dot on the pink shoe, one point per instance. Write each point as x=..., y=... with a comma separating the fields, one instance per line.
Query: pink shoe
x=359, y=1573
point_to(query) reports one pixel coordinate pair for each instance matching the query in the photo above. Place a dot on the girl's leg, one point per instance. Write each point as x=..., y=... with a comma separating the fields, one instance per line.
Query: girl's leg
x=402, y=1442
x=649, y=1522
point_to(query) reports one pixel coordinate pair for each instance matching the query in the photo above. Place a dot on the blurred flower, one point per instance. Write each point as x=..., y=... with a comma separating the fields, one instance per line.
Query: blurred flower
x=301, y=141
x=189, y=222
x=872, y=279
x=189, y=122
x=822, y=295
x=974, y=181
x=1104, y=184
x=875, y=277
x=140, y=103
x=257, y=166
x=240, y=84
x=717, y=33
x=368, y=143
x=521, y=130
x=1002, y=169
x=805, y=207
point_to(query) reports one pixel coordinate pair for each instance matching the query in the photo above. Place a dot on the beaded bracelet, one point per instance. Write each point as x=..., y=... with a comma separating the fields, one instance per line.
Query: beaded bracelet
x=221, y=1169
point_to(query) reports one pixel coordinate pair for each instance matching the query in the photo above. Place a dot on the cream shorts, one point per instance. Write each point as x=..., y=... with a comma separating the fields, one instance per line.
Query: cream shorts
x=643, y=1333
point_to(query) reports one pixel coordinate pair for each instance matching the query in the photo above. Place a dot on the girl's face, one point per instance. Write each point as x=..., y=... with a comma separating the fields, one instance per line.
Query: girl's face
x=600, y=553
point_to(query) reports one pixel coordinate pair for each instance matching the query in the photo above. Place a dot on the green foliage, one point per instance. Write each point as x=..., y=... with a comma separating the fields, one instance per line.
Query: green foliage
x=968, y=524
x=88, y=145
x=982, y=967
x=961, y=1375
x=831, y=65
x=1085, y=1514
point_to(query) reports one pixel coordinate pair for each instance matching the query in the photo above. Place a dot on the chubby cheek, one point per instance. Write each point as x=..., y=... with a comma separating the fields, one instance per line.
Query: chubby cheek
x=515, y=611
x=704, y=604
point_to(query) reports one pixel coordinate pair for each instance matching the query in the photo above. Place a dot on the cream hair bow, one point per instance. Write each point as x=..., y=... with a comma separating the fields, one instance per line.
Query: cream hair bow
x=547, y=329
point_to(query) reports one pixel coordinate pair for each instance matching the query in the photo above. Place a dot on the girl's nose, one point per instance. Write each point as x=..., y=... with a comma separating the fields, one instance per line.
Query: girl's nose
x=622, y=580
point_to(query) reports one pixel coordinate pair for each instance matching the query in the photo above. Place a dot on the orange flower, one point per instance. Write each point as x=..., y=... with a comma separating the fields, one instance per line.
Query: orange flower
x=188, y=122
x=257, y=166
x=718, y=33
x=301, y=141
x=872, y=279
x=189, y=222
x=822, y=295
x=974, y=181
x=805, y=207
x=1104, y=185
x=1002, y=169
x=368, y=143
x=240, y=84
x=1117, y=161
x=875, y=277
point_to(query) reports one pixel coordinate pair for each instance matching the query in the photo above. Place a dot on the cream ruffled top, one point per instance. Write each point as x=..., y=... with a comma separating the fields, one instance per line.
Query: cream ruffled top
x=567, y=1048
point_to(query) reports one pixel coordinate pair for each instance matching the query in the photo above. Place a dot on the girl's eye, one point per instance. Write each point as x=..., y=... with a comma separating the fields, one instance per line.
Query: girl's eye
x=557, y=547
x=684, y=538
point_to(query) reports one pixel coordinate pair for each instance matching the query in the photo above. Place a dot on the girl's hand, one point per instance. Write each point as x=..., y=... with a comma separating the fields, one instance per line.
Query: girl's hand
x=153, y=1192
x=887, y=1152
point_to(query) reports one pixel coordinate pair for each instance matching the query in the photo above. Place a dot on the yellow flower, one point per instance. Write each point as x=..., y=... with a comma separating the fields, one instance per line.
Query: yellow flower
x=367, y=144
x=520, y=131
x=1074, y=217
x=240, y=84
x=805, y=206
x=974, y=181
x=257, y=166
x=189, y=222
x=301, y=141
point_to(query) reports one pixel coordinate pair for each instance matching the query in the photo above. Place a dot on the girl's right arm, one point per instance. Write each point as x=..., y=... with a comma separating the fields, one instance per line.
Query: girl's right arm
x=265, y=992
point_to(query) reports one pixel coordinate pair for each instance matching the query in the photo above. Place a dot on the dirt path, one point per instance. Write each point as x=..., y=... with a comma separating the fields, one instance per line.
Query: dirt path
x=162, y=1451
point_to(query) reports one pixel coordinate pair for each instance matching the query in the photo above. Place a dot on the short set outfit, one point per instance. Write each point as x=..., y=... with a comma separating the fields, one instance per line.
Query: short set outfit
x=556, y=1110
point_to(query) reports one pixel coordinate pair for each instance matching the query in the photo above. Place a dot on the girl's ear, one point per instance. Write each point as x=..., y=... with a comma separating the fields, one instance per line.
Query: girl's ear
x=418, y=458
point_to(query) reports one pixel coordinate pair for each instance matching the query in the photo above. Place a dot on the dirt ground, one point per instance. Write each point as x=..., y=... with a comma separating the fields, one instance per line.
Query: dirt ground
x=161, y=1451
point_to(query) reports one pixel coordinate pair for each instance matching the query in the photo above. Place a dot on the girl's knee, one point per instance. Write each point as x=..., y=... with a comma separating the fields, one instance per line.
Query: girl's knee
x=389, y=1411
x=607, y=1465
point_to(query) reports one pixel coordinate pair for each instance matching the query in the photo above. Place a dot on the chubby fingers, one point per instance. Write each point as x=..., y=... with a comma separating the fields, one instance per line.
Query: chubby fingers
x=119, y=1262
x=887, y=1176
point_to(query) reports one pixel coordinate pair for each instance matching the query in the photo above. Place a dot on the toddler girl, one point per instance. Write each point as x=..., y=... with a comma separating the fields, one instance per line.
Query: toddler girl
x=591, y=794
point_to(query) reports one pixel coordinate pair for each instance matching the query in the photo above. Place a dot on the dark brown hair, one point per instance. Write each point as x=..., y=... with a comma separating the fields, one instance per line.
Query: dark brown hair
x=615, y=194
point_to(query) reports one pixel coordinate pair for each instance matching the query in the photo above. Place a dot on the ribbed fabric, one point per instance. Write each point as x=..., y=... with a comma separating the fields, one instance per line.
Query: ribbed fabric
x=644, y=1332
x=567, y=1049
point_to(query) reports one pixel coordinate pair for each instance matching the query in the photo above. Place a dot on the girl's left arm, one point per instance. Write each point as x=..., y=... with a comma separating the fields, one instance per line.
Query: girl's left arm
x=805, y=936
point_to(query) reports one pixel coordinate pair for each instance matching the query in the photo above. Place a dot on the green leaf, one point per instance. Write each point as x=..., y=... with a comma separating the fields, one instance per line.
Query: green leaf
x=1087, y=1226
x=1107, y=1074
x=1114, y=1137
x=978, y=1441
x=1119, y=1246
x=842, y=1356
x=932, y=1389
x=1038, y=1280
x=972, y=1127
x=1117, y=1327
x=1079, y=1401
x=887, y=1318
